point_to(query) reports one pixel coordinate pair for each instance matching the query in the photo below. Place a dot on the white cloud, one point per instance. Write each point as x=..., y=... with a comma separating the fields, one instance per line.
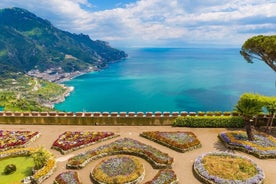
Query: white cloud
x=160, y=22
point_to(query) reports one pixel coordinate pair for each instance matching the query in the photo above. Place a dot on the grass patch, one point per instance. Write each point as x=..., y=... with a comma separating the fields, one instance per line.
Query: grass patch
x=23, y=169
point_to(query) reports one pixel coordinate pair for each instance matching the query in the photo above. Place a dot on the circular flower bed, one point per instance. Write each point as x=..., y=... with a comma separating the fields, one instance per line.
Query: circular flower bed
x=264, y=146
x=119, y=169
x=236, y=169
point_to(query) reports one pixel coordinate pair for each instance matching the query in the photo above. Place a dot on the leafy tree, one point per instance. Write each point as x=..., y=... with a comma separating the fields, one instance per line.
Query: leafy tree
x=249, y=105
x=261, y=48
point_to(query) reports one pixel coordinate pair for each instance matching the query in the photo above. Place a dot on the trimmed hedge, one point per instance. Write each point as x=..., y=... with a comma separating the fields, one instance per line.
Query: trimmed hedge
x=209, y=121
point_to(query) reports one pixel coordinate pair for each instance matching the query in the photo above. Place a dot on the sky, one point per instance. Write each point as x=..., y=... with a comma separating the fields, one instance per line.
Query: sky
x=158, y=23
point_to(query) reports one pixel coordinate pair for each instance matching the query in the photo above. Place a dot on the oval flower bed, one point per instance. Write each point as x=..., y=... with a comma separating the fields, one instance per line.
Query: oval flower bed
x=119, y=170
x=223, y=168
x=68, y=177
x=128, y=146
x=166, y=176
x=264, y=146
x=41, y=174
x=178, y=141
x=16, y=139
x=70, y=141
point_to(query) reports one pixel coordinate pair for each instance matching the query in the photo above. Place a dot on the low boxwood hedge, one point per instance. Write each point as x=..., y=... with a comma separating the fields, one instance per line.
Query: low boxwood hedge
x=209, y=121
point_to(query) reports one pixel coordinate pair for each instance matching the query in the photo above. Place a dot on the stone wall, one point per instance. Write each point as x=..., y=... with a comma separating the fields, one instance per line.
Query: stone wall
x=98, y=118
x=89, y=118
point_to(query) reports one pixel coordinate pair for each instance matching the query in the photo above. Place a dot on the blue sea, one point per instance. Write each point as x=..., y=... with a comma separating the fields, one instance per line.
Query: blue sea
x=169, y=79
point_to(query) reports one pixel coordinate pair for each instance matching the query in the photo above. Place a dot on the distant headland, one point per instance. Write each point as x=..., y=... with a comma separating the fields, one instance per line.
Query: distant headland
x=33, y=50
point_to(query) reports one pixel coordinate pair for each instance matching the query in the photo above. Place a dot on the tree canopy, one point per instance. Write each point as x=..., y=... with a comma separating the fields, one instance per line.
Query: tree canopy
x=261, y=48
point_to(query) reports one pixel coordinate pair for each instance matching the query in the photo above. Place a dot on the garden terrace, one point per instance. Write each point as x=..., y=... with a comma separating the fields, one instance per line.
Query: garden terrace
x=264, y=146
x=73, y=140
x=178, y=141
x=128, y=146
x=182, y=165
x=236, y=169
x=16, y=139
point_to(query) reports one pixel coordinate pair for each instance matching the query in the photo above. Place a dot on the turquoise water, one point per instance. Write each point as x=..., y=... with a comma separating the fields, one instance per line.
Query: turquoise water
x=170, y=80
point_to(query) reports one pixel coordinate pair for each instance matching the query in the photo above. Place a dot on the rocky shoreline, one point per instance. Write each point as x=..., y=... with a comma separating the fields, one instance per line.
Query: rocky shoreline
x=51, y=103
x=62, y=98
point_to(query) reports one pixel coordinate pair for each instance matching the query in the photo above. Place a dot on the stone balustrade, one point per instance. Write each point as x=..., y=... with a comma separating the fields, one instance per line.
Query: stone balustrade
x=99, y=114
x=156, y=118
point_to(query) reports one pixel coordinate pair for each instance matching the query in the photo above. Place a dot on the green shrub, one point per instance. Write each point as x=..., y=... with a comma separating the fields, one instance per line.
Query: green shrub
x=40, y=158
x=9, y=169
x=209, y=121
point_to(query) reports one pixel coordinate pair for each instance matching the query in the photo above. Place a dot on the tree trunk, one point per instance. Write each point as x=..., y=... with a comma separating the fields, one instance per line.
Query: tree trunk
x=249, y=129
x=270, y=123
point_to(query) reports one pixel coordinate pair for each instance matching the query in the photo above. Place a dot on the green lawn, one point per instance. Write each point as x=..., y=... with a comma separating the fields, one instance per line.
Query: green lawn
x=23, y=168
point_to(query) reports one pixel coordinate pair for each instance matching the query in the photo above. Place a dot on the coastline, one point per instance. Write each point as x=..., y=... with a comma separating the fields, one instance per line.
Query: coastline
x=51, y=103
x=63, y=77
x=59, y=77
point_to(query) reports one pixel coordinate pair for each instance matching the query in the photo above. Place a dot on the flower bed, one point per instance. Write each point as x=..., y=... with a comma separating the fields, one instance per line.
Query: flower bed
x=70, y=141
x=166, y=176
x=46, y=171
x=40, y=175
x=178, y=141
x=129, y=146
x=264, y=146
x=236, y=169
x=16, y=139
x=68, y=177
x=119, y=169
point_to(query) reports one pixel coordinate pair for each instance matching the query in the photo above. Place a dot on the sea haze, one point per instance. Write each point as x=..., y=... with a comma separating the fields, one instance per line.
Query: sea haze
x=166, y=79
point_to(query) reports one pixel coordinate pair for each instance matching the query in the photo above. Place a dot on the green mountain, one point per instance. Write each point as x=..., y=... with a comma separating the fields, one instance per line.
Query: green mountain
x=28, y=42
